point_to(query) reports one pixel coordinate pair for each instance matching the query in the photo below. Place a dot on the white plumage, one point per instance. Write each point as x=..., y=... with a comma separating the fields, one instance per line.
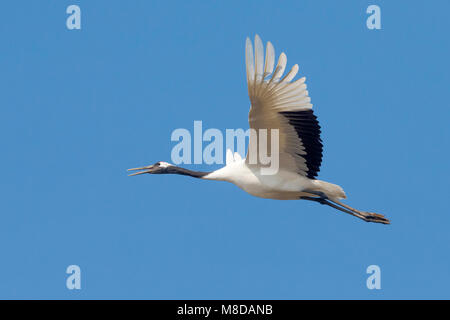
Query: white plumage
x=281, y=104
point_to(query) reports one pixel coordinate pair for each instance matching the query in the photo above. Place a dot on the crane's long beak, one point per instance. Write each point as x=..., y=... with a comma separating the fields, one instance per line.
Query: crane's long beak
x=147, y=169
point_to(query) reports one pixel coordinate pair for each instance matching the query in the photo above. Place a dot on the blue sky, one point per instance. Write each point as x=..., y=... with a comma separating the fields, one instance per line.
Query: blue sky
x=79, y=107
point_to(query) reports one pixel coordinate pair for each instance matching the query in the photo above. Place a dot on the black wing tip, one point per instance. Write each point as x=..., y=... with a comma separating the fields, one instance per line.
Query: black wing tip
x=308, y=130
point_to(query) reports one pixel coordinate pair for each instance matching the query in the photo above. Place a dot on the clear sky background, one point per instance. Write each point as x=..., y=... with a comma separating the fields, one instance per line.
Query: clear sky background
x=79, y=107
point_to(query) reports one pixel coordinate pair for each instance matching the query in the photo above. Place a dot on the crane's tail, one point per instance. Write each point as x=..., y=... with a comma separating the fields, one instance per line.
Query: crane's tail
x=332, y=191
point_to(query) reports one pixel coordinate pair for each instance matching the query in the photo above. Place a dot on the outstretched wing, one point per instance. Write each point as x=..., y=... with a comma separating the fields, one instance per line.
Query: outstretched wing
x=279, y=103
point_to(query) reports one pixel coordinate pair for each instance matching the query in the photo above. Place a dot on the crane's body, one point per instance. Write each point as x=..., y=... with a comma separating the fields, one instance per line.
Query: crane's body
x=280, y=186
x=282, y=105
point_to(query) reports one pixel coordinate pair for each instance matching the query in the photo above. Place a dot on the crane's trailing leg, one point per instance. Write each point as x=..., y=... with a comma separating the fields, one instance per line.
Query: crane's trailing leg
x=324, y=201
x=374, y=217
x=366, y=216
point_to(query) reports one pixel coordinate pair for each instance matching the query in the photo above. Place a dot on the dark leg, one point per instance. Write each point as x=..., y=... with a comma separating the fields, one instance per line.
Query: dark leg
x=324, y=201
x=366, y=216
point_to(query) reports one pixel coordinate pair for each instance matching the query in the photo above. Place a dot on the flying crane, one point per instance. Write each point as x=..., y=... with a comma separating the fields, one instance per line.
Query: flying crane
x=277, y=103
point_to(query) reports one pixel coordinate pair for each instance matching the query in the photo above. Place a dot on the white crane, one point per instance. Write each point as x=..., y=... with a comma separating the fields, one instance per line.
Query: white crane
x=277, y=103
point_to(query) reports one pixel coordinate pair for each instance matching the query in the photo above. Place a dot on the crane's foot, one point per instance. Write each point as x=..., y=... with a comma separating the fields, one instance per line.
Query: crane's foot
x=374, y=217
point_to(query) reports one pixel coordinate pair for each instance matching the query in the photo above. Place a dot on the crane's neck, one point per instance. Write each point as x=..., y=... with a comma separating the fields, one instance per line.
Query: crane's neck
x=221, y=174
x=186, y=172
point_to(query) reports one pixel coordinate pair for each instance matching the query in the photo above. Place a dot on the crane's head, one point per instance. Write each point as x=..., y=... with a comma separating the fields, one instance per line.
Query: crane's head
x=159, y=167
